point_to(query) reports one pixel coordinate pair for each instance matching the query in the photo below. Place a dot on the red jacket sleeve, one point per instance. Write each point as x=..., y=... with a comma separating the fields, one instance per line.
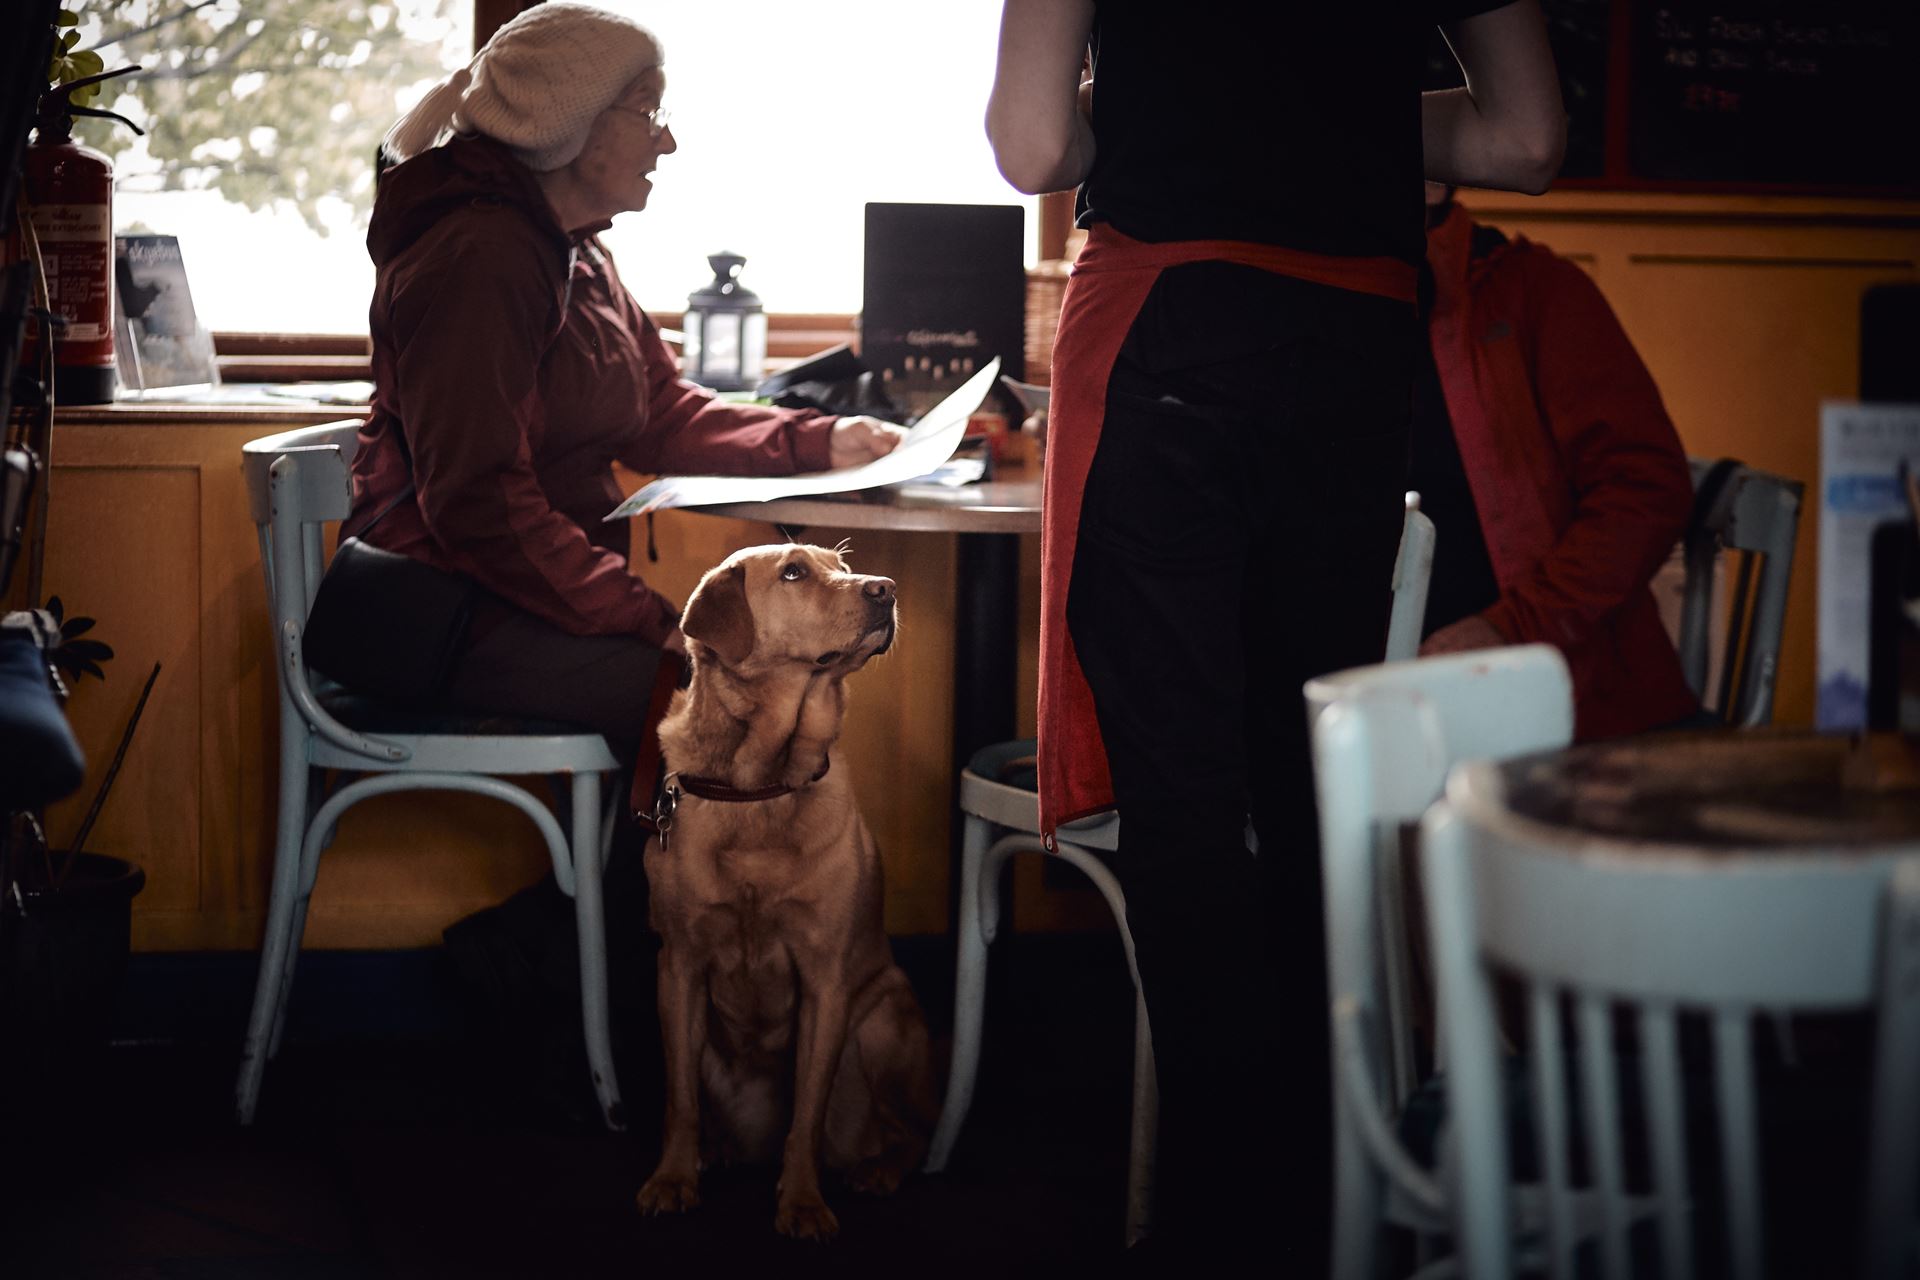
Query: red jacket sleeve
x=469, y=330
x=1632, y=490
x=689, y=432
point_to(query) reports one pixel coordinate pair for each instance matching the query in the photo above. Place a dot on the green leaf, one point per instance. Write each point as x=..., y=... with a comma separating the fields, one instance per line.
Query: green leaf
x=93, y=649
x=55, y=608
x=89, y=62
x=69, y=40
x=78, y=627
x=67, y=18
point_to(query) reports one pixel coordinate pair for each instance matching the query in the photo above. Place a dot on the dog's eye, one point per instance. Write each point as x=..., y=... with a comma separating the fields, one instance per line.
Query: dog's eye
x=827, y=659
x=792, y=571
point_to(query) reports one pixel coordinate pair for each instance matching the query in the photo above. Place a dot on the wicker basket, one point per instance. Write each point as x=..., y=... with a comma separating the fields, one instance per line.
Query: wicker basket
x=1046, y=290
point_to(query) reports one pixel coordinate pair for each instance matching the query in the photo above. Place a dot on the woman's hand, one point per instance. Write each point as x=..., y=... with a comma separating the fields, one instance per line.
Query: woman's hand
x=1471, y=632
x=862, y=439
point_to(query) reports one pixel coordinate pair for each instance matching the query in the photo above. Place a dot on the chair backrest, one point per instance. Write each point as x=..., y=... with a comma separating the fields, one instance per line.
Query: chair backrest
x=297, y=481
x=1754, y=516
x=1412, y=573
x=1592, y=930
x=1383, y=739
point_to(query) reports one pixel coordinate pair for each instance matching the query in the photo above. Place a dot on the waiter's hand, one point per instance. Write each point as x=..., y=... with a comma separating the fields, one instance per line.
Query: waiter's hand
x=862, y=439
x=1471, y=632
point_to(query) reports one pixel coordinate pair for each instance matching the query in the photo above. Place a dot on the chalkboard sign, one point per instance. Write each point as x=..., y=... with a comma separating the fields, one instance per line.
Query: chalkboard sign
x=1791, y=92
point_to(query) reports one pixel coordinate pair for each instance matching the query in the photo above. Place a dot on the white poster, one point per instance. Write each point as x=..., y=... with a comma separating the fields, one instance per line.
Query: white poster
x=1861, y=448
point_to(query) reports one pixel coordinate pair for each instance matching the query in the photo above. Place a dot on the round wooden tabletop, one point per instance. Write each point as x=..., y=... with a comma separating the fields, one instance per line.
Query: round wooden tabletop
x=999, y=506
x=1751, y=790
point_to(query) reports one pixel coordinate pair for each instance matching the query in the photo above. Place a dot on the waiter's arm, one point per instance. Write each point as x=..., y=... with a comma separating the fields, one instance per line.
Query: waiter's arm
x=1037, y=116
x=1507, y=128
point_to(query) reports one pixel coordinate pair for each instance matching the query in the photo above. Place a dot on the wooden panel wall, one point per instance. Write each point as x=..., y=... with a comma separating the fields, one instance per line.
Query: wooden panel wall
x=1747, y=311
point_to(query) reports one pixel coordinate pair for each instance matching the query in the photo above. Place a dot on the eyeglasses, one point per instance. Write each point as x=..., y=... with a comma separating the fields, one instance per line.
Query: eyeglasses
x=656, y=119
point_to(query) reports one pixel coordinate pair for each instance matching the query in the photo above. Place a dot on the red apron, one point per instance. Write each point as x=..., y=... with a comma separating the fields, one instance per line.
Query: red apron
x=1110, y=282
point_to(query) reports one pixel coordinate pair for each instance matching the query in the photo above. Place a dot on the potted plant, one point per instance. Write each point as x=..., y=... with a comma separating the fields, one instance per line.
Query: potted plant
x=65, y=911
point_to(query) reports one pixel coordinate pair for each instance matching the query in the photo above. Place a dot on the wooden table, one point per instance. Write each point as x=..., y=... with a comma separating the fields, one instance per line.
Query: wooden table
x=1764, y=793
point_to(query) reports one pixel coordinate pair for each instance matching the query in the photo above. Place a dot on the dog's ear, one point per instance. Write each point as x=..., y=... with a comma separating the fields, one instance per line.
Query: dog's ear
x=719, y=616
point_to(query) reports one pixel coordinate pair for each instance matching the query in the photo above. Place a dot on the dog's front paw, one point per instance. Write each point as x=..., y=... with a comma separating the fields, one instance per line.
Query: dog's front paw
x=668, y=1192
x=875, y=1177
x=806, y=1218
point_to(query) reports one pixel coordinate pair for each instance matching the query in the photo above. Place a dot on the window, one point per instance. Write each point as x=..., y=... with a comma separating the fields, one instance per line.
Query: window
x=261, y=122
x=790, y=116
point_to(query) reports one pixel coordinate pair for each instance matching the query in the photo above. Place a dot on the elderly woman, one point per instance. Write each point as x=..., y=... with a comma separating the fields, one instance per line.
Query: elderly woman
x=512, y=369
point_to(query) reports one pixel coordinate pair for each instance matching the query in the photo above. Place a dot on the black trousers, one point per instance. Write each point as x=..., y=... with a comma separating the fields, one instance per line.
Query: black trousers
x=1237, y=537
x=516, y=664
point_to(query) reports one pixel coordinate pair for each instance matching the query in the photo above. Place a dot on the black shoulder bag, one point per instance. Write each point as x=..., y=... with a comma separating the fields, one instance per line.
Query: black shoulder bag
x=386, y=624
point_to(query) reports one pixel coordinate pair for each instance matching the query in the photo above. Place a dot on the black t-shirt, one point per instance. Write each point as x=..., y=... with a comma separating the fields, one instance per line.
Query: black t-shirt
x=1286, y=124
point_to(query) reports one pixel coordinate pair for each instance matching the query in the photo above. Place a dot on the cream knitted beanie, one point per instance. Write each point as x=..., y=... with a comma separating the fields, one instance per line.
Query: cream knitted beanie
x=537, y=86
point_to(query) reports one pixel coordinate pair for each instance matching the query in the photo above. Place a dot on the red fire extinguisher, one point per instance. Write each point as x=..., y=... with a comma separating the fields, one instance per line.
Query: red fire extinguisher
x=69, y=198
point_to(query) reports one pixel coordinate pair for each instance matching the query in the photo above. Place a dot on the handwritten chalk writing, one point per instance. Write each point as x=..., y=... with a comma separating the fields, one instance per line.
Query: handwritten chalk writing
x=1707, y=97
x=1731, y=59
x=1735, y=29
x=1667, y=26
x=1786, y=65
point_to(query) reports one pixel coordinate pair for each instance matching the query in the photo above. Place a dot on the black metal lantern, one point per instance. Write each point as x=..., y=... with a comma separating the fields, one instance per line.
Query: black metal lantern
x=726, y=330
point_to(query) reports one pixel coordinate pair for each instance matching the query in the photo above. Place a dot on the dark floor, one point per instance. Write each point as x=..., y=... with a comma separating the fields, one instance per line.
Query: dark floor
x=426, y=1118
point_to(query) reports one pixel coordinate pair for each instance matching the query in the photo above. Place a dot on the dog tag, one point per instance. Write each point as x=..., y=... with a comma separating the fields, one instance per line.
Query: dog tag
x=663, y=810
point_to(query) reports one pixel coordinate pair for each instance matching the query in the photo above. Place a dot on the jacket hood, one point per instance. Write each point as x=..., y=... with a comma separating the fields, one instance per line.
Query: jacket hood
x=1460, y=251
x=416, y=194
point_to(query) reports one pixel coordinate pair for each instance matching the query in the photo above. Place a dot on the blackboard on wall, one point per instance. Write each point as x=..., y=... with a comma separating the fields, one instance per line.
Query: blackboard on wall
x=1816, y=92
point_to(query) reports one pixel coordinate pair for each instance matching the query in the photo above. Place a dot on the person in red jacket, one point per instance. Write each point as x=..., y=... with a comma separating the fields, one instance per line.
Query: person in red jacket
x=1554, y=477
x=512, y=369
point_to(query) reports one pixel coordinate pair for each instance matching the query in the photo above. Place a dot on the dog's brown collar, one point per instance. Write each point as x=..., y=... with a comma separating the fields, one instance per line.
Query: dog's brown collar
x=658, y=821
x=710, y=789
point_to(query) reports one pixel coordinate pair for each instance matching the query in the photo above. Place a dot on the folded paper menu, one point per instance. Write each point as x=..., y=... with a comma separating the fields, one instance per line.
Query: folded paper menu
x=929, y=443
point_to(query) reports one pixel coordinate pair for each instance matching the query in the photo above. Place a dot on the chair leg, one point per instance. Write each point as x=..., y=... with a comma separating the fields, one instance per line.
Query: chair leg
x=1357, y=1204
x=280, y=941
x=590, y=916
x=969, y=992
x=310, y=851
x=1145, y=1140
x=1146, y=1092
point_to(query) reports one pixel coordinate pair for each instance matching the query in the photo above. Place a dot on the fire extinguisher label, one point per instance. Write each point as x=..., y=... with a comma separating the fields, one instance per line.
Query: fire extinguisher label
x=76, y=247
x=61, y=223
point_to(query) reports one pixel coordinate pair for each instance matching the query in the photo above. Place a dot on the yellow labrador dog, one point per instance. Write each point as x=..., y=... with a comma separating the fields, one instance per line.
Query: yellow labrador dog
x=786, y=1024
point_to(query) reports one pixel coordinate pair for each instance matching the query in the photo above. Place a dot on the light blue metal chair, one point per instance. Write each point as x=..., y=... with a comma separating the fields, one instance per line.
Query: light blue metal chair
x=1586, y=923
x=1753, y=517
x=1383, y=740
x=296, y=482
x=1003, y=818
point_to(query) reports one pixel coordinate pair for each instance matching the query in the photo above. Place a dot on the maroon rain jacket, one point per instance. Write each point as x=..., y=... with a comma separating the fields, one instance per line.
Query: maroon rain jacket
x=1580, y=480
x=511, y=369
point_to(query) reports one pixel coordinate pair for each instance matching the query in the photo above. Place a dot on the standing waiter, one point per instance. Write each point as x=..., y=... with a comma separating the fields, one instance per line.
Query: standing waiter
x=1226, y=461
